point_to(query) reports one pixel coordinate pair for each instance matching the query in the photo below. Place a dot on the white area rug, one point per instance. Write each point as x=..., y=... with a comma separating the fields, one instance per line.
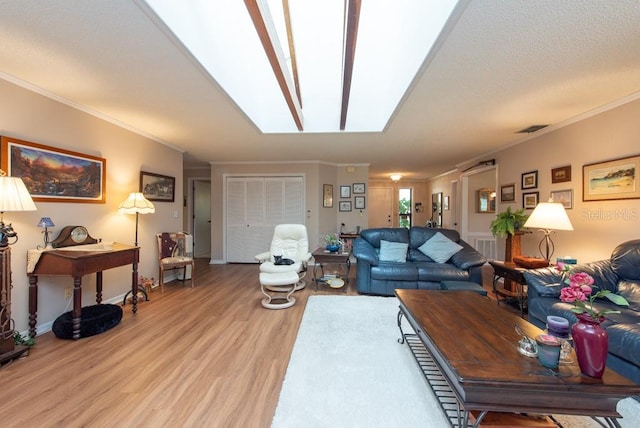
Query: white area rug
x=348, y=370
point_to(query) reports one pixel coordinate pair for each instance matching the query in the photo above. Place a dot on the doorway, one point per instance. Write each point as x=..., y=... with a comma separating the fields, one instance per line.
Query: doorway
x=476, y=222
x=201, y=220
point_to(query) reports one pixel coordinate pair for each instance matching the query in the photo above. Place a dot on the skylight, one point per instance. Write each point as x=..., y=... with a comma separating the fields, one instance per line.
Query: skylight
x=392, y=41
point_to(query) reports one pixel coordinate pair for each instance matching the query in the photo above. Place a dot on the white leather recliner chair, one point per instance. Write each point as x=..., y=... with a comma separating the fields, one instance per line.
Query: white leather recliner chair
x=289, y=241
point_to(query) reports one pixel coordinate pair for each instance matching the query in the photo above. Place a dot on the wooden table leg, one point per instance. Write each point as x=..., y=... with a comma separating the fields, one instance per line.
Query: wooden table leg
x=99, y=287
x=33, y=305
x=134, y=287
x=77, y=306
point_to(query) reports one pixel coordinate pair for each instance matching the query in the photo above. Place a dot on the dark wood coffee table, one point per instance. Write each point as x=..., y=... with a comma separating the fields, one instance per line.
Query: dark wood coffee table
x=473, y=346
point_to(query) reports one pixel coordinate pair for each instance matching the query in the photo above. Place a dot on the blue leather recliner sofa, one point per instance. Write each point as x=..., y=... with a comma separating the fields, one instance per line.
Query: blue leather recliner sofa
x=418, y=271
x=621, y=275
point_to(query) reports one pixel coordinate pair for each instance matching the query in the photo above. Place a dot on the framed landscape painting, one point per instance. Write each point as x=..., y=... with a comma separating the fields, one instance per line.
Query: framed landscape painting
x=55, y=175
x=508, y=193
x=156, y=187
x=614, y=179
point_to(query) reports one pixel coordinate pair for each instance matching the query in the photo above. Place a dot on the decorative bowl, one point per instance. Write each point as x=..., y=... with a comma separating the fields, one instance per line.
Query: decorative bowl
x=333, y=248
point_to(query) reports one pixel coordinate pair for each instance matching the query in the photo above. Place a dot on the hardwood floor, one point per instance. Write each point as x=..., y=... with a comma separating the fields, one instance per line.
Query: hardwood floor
x=208, y=356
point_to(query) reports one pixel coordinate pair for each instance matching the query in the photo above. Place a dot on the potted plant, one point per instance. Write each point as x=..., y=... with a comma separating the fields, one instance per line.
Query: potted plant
x=508, y=224
x=332, y=241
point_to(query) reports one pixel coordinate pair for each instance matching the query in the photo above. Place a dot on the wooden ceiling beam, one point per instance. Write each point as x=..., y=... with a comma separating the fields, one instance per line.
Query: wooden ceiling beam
x=351, y=36
x=264, y=27
x=292, y=50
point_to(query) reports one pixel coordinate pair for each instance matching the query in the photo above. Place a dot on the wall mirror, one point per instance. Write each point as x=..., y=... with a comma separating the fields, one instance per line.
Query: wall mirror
x=436, y=209
x=486, y=201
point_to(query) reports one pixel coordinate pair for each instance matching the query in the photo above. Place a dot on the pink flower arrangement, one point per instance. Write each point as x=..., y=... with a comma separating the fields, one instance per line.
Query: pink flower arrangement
x=580, y=291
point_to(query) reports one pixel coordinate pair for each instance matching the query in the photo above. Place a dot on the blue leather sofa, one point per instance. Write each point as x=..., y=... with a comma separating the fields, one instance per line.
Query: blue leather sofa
x=418, y=271
x=621, y=275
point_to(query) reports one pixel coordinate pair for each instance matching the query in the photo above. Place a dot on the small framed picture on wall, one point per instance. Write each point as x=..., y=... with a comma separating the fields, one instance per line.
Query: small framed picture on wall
x=561, y=174
x=530, y=180
x=530, y=200
x=358, y=188
x=359, y=202
x=345, y=191
x=344, y=206
x=508, y=193
x=565, y=197
x=327, y=195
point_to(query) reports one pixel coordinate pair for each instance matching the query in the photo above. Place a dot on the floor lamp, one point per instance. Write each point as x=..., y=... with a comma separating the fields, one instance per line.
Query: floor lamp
x=548, y=216
x=14, y=196
x=136, y=204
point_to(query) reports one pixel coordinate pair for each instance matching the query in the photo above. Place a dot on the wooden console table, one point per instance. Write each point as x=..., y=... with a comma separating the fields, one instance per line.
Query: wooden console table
x=76, y=263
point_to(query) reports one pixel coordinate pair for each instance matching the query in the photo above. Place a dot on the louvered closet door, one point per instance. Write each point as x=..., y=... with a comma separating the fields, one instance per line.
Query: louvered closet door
x=285, y=196
x=255, y=205
x=245, y=219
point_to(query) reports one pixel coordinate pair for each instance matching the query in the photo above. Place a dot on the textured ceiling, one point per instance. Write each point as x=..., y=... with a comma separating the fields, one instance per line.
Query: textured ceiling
x=501, y=67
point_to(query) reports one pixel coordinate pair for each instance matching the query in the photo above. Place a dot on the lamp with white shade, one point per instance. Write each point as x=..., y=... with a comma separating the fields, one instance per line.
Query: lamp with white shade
x=136, y=204
x=547, y=217
x=14, y=197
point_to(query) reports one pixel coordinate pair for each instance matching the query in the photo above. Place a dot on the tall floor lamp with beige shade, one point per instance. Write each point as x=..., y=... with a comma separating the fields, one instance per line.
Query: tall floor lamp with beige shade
x=14, y=197
x=136, y=204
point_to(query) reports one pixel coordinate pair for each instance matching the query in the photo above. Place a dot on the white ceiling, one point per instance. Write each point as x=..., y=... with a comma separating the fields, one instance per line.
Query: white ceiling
x=503, y=66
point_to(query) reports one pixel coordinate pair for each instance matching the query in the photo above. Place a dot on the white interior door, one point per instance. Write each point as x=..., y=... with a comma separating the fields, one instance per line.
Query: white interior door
x=202, y=218
x=381, y=209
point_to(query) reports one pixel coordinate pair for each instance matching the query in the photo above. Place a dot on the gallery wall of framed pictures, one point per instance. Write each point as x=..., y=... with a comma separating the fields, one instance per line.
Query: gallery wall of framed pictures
x=345, y=202
x=615, y=179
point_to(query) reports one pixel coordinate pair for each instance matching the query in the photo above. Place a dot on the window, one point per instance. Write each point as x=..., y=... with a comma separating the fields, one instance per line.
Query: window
x=404, y=207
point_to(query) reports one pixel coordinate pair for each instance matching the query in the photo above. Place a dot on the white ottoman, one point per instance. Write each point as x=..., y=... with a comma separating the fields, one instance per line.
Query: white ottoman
x=282, y=285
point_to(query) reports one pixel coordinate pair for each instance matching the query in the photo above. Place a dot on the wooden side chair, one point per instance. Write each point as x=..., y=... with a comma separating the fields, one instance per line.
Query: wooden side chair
x=172, y=255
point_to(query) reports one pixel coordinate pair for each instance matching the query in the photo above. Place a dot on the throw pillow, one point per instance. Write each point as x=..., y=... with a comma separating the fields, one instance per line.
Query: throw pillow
x=439, y=248
x=393, y=251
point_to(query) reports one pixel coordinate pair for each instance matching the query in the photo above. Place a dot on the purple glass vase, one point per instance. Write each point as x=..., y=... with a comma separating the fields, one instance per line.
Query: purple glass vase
x=591, y=343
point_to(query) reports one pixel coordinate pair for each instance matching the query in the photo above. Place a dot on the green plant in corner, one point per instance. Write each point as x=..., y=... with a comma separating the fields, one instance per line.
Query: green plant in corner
x=508, y=222
x=19, y=339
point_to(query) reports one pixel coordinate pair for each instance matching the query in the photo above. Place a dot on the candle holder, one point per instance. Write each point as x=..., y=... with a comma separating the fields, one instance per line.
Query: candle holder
x=549, y=350
x=559, y=327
